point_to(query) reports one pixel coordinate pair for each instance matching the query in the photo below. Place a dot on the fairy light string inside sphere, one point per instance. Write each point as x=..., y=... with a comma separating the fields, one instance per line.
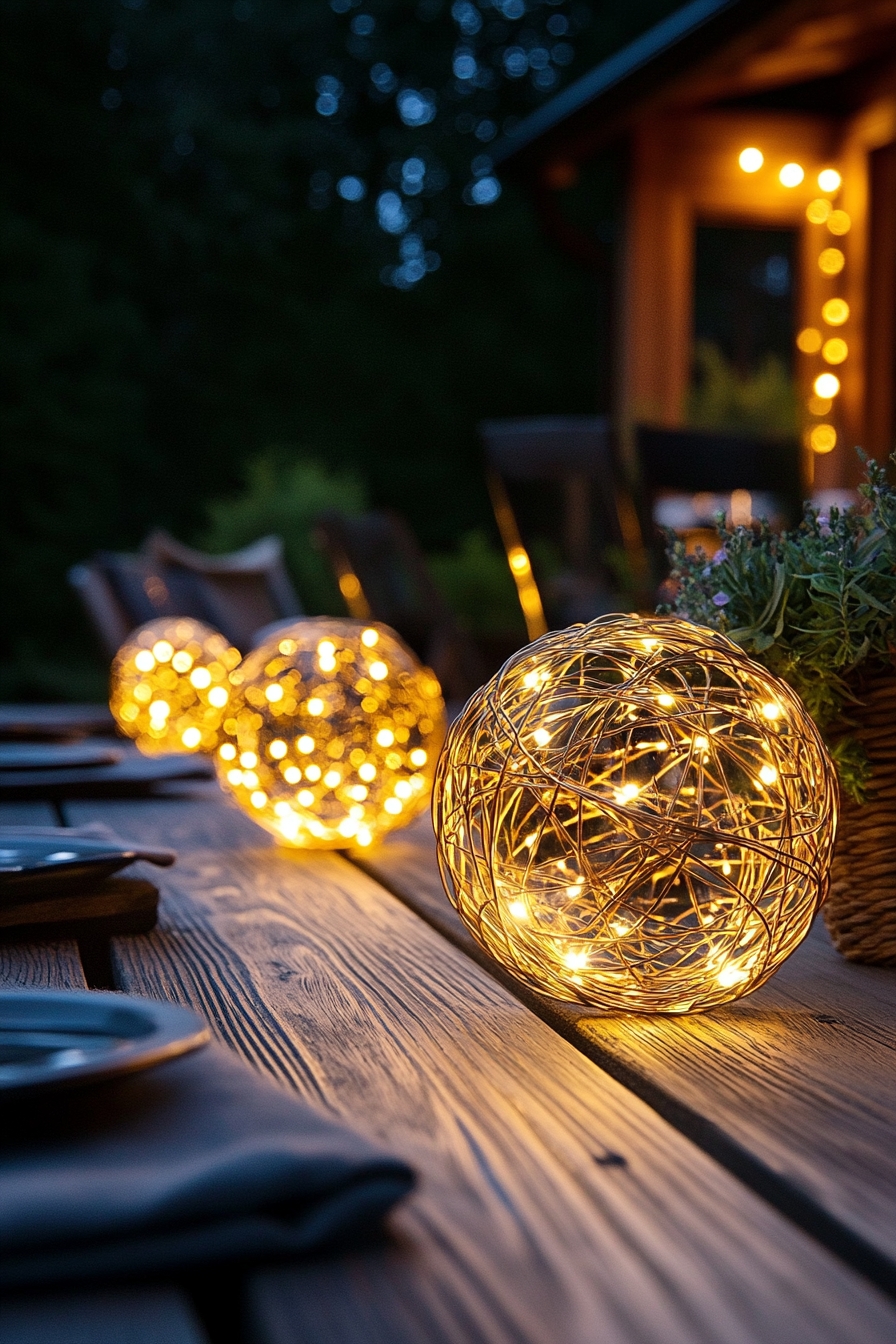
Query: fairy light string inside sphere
x=333, y=734
x=170, y=685
x=634, y=816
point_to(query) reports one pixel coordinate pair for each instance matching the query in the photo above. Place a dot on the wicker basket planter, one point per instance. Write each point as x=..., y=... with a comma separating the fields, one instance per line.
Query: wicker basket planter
x=860, y=911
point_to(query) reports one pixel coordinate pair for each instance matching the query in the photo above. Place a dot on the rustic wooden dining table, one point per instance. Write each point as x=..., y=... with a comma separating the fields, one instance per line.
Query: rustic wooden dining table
x=725, y=1178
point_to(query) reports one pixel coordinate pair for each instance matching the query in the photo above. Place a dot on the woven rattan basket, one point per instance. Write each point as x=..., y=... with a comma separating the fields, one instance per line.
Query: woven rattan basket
x=860, y=911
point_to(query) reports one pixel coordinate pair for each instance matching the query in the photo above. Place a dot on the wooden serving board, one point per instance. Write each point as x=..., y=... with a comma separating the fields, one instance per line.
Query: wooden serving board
x=553, y=1203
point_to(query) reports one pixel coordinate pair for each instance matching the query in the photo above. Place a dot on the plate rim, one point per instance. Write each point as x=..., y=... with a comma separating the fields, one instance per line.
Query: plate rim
x=176, y=1030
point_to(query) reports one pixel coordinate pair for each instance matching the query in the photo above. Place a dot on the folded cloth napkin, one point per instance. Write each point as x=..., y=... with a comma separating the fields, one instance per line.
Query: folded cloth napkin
x=197, y=1161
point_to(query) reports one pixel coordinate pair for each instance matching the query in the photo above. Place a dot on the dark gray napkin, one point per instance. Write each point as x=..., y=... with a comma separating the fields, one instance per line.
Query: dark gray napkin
x=195, y=1162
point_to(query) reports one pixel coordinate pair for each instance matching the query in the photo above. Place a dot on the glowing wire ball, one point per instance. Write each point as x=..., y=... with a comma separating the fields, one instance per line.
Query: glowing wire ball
x=334, y=734
x=170, y=685
x=635, y=816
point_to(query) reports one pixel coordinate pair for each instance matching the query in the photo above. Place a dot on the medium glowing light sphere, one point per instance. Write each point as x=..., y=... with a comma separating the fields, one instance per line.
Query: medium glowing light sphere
x=170, y=685
x=634, y=816
x=333, y=735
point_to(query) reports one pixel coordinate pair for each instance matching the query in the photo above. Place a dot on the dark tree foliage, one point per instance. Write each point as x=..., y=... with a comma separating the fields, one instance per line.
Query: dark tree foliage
x=232, y=227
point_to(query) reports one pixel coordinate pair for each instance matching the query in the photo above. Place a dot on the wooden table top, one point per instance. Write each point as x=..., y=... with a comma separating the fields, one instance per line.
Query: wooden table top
x=728, y=1178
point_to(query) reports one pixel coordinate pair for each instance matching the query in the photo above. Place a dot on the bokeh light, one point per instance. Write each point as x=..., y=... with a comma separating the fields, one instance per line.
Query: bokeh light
x=835, y=312
x=835, y=350
x=826, y=385
x=829, y=179
x=831, y=261
x=170, y=685
x=791, y=175
x=809, y=340
x=822, y=438
x=751, y=159
x=333, y=734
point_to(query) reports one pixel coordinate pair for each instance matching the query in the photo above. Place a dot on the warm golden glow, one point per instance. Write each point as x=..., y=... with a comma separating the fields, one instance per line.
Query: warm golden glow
x=819, y=405
x=345, y=750
x=791, y=175
x=835, y=350
x=835, y=312
x=831, y=261
x=829, y=179
x=817, y=211
x=751, y=159
x=809, y=340
x=602, y=870
x=170, y=684
x=839, y=222
x=826, y=385
x=822, y=438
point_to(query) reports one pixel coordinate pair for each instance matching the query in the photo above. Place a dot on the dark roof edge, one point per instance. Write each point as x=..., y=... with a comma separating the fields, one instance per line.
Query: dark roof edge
x=616, y=69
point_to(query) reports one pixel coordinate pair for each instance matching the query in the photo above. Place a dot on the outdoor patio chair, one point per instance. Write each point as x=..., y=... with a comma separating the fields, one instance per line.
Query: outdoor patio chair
x=688, y=475
x=383, y=576
x=235, y=593
x=553, y=480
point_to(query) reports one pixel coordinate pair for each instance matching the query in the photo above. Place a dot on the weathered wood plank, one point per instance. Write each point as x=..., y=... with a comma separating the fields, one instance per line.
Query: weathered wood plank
x=124, y=1316
x=554, y=1205
x=37, y=965
x=801, y=1075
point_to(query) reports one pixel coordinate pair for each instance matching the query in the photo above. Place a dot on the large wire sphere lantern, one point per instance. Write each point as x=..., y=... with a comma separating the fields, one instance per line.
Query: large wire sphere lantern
x=170, y=685
x=635, y=816
x=333, y=735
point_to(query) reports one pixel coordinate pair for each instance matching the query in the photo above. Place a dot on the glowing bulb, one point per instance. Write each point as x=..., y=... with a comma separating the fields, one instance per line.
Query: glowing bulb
x=417, y=757
x=385, y=737
x=379, y=671
x=248, y=760
x=258, y=798
x=751, y=159
x=771, y=710
x=829, y=179
x=517, y=909
x=305, y=797
x=145, y=662
x=191, y=737
x=162, y=651
x=809, y=340
x=332, y=779
x=392, y=806
x=768, y=774
x=292, y=774
x=201, y=678
x=227, y=751
x=315, y=706
x=159, y=709
x=367, y=772
x=278, y=749
x=305, y=744
x=835, y=350
x=626, y=793
x=817, y=211
x=839, y=223
x=831, y=261
x=369, y=637
x=822, y=438
x=273, y=693
x=313, y=772
x=218, y=696
x=665, y=700
x=827, y=385
x=326, y=648
x=182, y=661
x=835, y=312
x=541, y=736
x=791, y=175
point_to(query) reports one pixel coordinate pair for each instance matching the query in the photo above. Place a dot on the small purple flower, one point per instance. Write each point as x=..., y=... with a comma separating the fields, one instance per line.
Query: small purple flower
x=720, y=555
x=721, y=600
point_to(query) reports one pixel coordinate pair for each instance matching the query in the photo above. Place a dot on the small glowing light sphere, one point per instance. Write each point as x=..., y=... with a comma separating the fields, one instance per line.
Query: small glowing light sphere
x=333, y=734
x=819, y=405
x=829, y=179
x=635, y=816
x=170, y=685
x=791, y=175
x=834, y=351
x=822, y=439
x=835, y=312
x=826, y=385
x=751, y=160
x=839, y=223
x=818, y=210
x=809, y=340
x=831, y=261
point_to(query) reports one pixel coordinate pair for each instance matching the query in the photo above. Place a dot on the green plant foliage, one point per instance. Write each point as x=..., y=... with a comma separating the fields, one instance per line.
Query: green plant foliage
x=813, y=605
x=476, y=582
x=284, y=494
x=763, y=402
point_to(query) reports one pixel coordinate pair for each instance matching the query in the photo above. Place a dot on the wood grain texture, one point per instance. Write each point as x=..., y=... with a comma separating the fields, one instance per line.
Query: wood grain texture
x=123, y=1316
x=38, y=965
x=801, y=1075
x=553, y=1206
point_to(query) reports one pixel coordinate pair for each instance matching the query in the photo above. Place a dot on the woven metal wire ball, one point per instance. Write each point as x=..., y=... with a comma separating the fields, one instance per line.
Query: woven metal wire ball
x=333, y=735
x=634, y=816
x=170, y=685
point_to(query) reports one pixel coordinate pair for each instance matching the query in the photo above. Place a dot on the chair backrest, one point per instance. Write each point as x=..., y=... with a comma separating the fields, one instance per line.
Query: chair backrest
x=558, y=475
x=235, y=593
x=382, y=575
